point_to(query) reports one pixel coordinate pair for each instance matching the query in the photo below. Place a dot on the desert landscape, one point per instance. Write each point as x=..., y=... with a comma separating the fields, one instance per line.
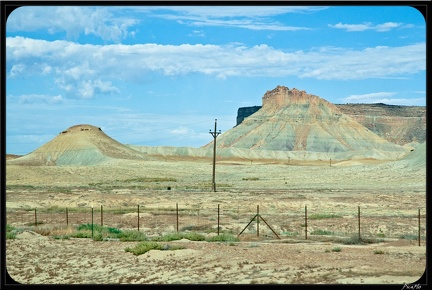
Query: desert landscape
x=307, y=201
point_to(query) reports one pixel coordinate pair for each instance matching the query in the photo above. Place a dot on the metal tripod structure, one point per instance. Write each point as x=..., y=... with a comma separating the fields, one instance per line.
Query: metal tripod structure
x=258, y=216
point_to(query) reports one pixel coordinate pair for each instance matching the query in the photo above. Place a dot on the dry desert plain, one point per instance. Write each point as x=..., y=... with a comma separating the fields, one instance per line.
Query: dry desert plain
x=389, y=195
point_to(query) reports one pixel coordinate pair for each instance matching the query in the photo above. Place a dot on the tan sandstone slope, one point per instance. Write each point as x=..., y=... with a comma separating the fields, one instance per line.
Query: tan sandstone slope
x=293, y=120
x=79, y=145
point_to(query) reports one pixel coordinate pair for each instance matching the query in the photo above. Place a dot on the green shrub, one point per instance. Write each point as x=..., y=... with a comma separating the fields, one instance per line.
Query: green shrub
x=250, y=178
x=290, y=233
x=321, y=232
x=61, y=237
x=378, y=252
x=84, y=227
x=223, y=238
x=99, y=232
x=194, y=236
x=10, y=232
x=336, y=249
x=131, y=236
x=355, y=240
x=178, y=236
x=113, y=230
x=409, y=236
x=82, y=234
x=146, y=246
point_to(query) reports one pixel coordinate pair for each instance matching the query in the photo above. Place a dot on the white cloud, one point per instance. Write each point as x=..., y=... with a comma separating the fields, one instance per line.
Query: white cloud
x=366, y=26
x=237, y=11
x=117, y=23
x=73, y=20
x=198, y=33
x=93, y=68
x=385, y=98
x=247, y=17
x=35, y=98
x=368, y=98
x=252, y=24
x=182, y=130
x=87, y=89
x=17, y=70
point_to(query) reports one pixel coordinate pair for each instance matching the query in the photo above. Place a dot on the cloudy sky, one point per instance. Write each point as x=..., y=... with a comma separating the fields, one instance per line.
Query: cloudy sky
x=150, y=75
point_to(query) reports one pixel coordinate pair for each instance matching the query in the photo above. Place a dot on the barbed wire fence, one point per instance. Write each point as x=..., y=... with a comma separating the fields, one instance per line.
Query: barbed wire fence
x=248, y=220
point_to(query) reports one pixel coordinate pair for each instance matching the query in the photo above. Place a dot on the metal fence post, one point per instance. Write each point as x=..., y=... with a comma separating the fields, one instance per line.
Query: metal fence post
x=177, y=216
x=257, y=217
x=218, y=221
x=92, y=224
x=306, y=222
x=419, y=227
x=359, y=231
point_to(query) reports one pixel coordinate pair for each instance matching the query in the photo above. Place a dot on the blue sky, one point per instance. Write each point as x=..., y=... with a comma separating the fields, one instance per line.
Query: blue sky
x=160, y=75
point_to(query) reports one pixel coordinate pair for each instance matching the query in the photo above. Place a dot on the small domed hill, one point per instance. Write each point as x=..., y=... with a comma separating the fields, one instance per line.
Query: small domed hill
x=79, y=145
x=293, y=120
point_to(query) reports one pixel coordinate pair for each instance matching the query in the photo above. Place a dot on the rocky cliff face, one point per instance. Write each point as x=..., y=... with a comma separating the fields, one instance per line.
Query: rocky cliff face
x=293, y=120
x=397, y=124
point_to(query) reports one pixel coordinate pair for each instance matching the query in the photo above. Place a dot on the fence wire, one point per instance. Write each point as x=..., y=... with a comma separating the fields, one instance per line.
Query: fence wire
x=302, y=223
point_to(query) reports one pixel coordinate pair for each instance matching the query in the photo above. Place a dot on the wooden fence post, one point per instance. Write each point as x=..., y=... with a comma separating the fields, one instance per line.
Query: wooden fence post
x=101, y=215
x=67, y=217
x=35, y=215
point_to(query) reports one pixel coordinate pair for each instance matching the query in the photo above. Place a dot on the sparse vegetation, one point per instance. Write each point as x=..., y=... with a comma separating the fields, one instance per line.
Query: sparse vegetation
x=178, y=236
x=250, y=178
x=10, y=232
x=322, y=232
x=378, y=252
x=223, y=238
x=100, y=233
x=356, y=240
x=146, y=246
x=409, y=236
x=336, y=249
x=323, y=216
x=290, y=233
x=149, y=179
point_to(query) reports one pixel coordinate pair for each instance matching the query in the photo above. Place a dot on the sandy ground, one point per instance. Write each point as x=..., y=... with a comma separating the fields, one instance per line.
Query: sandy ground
x=379, y=188
x=37, y=259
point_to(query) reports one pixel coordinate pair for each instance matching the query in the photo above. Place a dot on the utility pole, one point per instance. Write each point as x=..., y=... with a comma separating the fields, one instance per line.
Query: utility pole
x=214, y=134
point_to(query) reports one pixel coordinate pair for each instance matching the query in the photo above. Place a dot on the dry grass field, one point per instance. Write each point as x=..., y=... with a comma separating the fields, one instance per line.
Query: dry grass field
x=389, y=195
